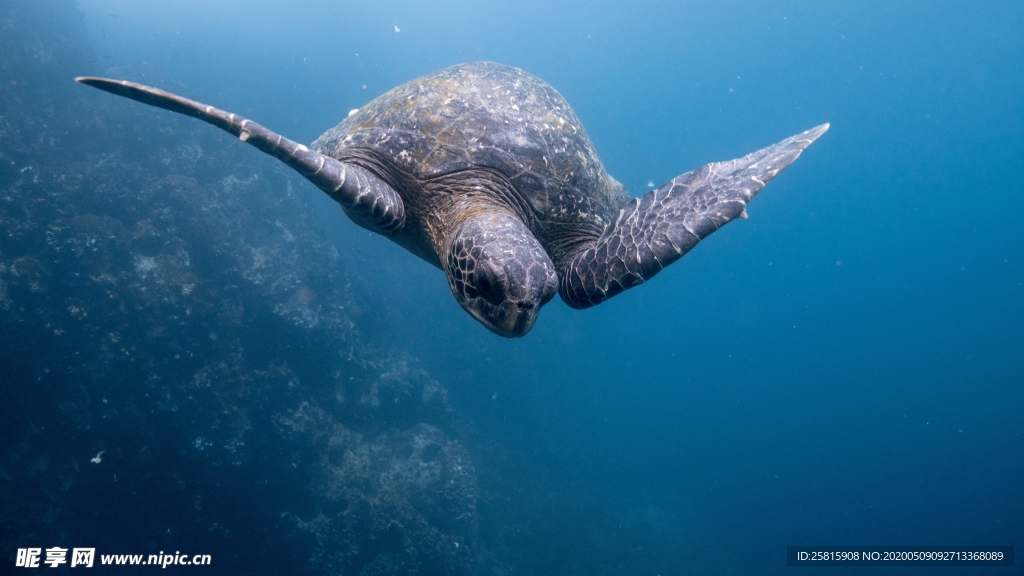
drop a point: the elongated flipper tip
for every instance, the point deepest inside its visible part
(113, 86)
(813, 134)
(161, 99)
(371, 201)
(766, 163)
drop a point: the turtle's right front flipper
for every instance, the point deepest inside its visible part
(366, 198)
(654, 231)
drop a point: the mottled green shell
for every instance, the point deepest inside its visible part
(485, 114)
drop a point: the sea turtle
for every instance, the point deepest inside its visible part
(484, 171)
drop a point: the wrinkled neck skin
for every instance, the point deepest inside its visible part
(457, 198)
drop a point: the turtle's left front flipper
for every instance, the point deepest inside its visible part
(366, 199)
(654, 231)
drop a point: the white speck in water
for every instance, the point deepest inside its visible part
(98, 458)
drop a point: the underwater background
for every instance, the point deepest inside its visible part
(269, 384)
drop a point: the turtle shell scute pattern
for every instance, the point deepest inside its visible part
(485, 114)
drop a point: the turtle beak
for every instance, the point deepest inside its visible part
(519, 321)
(511, 321)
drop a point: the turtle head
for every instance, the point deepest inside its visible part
(499, 273)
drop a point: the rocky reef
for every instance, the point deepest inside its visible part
(182, 362)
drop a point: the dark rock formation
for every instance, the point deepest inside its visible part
(168, 301)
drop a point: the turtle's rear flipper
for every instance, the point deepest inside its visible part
(654, 231)
(370, 201)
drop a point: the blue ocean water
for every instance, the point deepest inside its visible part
(843, 368)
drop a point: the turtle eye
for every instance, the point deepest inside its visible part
(488, 284)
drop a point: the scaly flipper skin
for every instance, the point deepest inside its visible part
(654, 231)
(370, 202)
